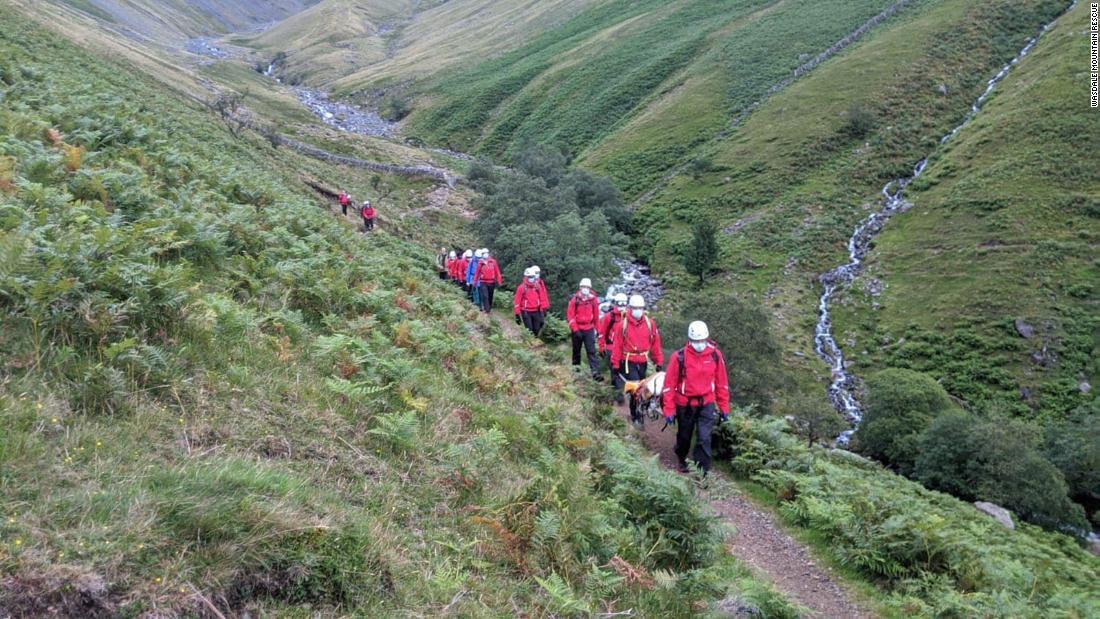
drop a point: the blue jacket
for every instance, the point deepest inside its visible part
(470, 270)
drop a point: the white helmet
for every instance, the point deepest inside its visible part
(528, 272)
(485, 253)
(468, 254)
(452, 254)
(698, 331)
(620, 299)
(637, 301)
(536, 269)
(586, 283)
(478, 253)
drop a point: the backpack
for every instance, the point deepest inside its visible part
(683, 368)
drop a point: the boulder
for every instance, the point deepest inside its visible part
(736, 608)
(998, 513)
(1025, 330)
(1084, 386)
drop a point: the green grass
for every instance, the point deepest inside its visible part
(1022, 207)
(217, 393)
(929, 554)
(792, 184)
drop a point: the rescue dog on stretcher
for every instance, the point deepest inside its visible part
(648, 393)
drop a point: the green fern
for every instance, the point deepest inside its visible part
(562, 598)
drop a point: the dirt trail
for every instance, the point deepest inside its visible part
(761, 543)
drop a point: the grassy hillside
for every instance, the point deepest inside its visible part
(350, 46)
(579, 83)
(1005, 226)
(158, 20)
(789, 185)
(218, 398)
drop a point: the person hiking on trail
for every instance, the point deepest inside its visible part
(537, 272)
(637, 342)
(460, 266)
(488, 277)
(583, 312)
(449, 266)
(605, 338)
(441, 262)
(368, 213)
(697, 395)
(530, 302)
(471, 285)
(345, 200)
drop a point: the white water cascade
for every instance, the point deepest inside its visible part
(843, 385)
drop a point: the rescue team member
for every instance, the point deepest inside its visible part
(605, 338)
(697, 395)
(345, 200)
(449, 265)
(471, 284)
(460, 270)
(441, 262)
(531, 302)
(583, 312)
(637, 342)
(488, 277)
(368, 213)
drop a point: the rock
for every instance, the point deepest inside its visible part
(1025, 394)
(873, 286)
(736, 608)
(942, 88)
(1084, 386)
(1025, 330)
(1094, 544)
(998, 513)
(1044, 357)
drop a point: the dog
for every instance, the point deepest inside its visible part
(649, 392)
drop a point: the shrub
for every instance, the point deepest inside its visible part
(900, 404)
(395, 108)
(1073, 445)
(996, 460)
(703, 251)
(859, 122)
(814, 419)
(541, 161)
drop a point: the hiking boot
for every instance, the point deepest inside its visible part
(683, 466)
(597, 377)
(620, 398)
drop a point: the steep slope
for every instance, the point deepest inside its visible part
(220, 399)
(790, 183)
(350, 46)
(1004, 226)
(173, 20)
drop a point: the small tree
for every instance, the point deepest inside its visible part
(814, 419)
(700, 256)
(900, 405)
(229, 106)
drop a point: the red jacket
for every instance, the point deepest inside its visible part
(530, 298)
(605, 335)
(582, 314)
(344, 199)
(458, 269)
(368, 212)
(488, 272)
(637, 341)
(703, 376)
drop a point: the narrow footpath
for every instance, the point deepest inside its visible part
(761, 543)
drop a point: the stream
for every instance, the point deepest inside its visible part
(634, 278)
(843, 386)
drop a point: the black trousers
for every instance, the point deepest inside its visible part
(344, 209)
(588, 340)
(616, 379)
(635, 371)
(368, 224)
(533, 321)
(486, 297)
(700, 420)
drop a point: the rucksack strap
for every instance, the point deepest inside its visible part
(683, 369)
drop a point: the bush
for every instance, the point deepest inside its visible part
(395, 108)
(1073, 445)
(814, 419)
(541, 161)
(900, 404)
(859, 122)
(996, 460)
(700, 256)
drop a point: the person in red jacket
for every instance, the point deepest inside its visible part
(697, 395)
(531, 303)
(583, 314)
(449, 266)
(636, 344)
(345, 200)
(605, 339)
(368, 213)
(487, 278)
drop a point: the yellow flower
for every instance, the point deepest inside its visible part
(140, 546)
(98, 444)
(53, 420)
(157, 580)
(18, 542)
(11, 520)
(39, 406)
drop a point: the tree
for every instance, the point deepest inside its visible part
(229, 106)
(814, 419)
(742, 330)
(542, 161)
(996, 460)
(900, 404)
(1073, 445)
(701, 254)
